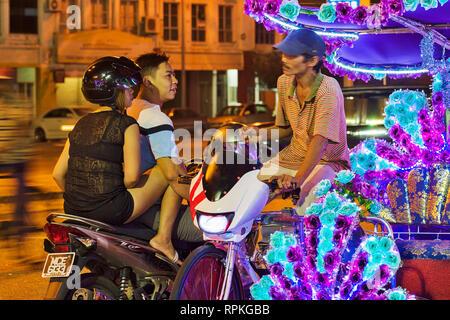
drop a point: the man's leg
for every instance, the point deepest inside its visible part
(307, 196)
(170, 206)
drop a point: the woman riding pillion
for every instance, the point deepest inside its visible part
(99, 167)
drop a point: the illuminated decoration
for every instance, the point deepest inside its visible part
(319, 267)
(418, 140)
(291, 26)
(417, 134)
(377, 71)
(342, 20)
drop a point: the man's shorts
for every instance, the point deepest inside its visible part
(307, 196)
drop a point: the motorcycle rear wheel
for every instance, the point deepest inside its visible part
(92, 287)
(202, 274)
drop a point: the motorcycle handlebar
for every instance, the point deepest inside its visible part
(293, 193)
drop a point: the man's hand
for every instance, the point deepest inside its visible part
(286, 182)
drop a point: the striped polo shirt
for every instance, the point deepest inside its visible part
(322, 113)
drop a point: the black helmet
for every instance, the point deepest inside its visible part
(105, 75)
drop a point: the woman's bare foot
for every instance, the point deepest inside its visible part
(167, 249)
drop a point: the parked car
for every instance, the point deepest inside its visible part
(57, 123)
(185, 117)
(247, 114)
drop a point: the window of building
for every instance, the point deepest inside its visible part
(99, 14)
(262, 36)
(128, 15)
(23, 16)
(171, 21)
(199, 22)
(225, 18)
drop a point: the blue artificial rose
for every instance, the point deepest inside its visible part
(437, 86)
(259, 293)
(325, 245)
(320, 264)
(289, 240)
(393, 260)
(371, 245)
(411, 5)
(396, 96)
(417, 139)
(277, 239)
(332, 201)
(376, 258)
(375, 207)
(345, 176)
(290, 10)
(322, 188)
(421, 102)
(366, 162)
(327, 13)
(429, 4)
(358, 170)
(314, 209)
(327, 219)
(389, 110)
(412, 116)
(371, 145)
(403, 120)
(289, 271)
(385, 244)
(442, 2)
(409, 98)
(266, 282)
(397, 295)
(389, 122)
(276, 255)
(401, 109)
(348, 209)
(362, 160)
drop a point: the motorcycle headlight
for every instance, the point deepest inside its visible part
(214, 223)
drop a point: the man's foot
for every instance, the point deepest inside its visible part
(167, 250)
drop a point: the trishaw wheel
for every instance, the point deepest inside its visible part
(202, 274)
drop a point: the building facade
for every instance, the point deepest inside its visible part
(45, 46)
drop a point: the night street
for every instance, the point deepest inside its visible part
(350, 103)
(21, 266)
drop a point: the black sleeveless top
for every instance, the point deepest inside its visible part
(95, 173)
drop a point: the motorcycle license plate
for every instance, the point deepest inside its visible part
(58, 265)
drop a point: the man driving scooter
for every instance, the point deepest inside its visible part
(311, 108)
(158, 148)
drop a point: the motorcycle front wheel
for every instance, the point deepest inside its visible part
(202, 275)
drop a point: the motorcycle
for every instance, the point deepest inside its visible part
(91, 260)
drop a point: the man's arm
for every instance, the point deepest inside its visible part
(171, 170)
(313, 155)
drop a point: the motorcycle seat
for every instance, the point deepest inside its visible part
(135, 230)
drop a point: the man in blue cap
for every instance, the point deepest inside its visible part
(311, 108)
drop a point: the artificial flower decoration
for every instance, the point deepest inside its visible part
(327, 13)
(418, 135)
(317, 269)
(289, 9)
(411, 5)
(282, 16)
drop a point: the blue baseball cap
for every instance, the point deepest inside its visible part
(302, 41)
